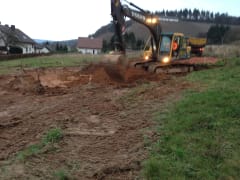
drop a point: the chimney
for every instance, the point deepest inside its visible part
(13, 27)
(6, 25)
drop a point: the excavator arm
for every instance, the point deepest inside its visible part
(119, 12)
(116, 64)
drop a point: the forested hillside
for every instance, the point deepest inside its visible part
(218, 28)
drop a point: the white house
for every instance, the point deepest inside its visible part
(45, 50)
(89, 45)
(41, 49)
(14, 41)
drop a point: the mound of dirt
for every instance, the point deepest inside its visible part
(21, 83)
(117, 74)
(40, 80)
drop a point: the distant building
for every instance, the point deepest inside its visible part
(42, 49)
(89, 45)
(14, 41)
(169, 18)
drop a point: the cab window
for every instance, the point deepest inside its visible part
(165, 44)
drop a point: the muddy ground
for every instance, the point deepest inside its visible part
(105, 122)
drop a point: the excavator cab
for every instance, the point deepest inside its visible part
(173, 46)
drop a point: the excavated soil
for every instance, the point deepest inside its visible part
(104, 121)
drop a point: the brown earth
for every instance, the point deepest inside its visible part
(104, 121)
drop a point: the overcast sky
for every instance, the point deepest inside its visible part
(70, 19)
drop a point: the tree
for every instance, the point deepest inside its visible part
(163, 13)
(104, 46)
(211, 16)
(189, 14)
(57, 47)
(65, 48)
(216, 34)
(185, 13)
(196, 14)
(203, 15)
(180, 14)
(46, 43)
(61, 47)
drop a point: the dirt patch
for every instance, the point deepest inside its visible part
(118, 74)
(39, 81)
(103, 121)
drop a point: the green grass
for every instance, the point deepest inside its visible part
(200, 133)
(29, 151)
(61, 175)
(61, 60)
(52, 136)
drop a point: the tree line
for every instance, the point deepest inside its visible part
(217, 34)
(201, 16)
(61, 47)
(130, 41)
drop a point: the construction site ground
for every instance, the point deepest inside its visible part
(106, 124)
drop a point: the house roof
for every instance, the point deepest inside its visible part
(18, 35)
(89, 43)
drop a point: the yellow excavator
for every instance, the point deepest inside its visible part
(174, 47)
(162, 50)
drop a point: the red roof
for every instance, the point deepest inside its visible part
(89, 43)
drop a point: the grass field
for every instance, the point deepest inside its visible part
(61, 60)
(199, 135)
(222, 51)
(57, 60)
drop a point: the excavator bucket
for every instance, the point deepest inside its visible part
(115, 66)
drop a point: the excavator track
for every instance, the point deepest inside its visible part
(156, 67)
(172, 68)
(177, 66)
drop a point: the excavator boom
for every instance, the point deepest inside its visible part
(119, 12)
(116, 64)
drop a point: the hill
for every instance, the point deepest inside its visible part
(42, 41)
(70, 44)
(189, 28)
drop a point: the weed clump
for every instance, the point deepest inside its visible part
(52, 136)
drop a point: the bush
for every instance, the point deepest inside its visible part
(53, 136)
